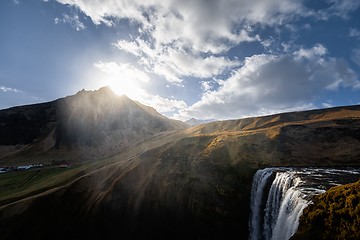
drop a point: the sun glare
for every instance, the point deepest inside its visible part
(129, 89)
(116, 88)
(122, 78)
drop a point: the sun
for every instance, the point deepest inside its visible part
(122, 78)
(130, 89)
(117, 88)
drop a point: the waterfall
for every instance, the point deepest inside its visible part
(257, 190)
(279, 196)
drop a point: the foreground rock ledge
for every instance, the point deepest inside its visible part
(334, 215)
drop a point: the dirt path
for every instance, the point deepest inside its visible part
(29, 178)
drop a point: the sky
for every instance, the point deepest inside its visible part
(204, 59)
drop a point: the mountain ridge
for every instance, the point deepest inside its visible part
(194, 121)
(191, 183)
(89, 124)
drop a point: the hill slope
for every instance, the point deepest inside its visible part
(85, 126)
(190, 184)
(325, 137)
(334, 215)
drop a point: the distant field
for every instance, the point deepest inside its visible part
(17, 185)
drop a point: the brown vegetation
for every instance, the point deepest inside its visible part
(334, 215)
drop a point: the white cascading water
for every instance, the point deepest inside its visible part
(279, 196)
(257, 191)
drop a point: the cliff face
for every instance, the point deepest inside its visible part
(189, 184)
(85, 126)
(334, 215)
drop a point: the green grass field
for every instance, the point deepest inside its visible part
(18, 185)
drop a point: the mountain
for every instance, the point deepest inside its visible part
(192, 183)
(194, 121)
(88, 125)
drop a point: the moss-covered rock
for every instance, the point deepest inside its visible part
(334, 215)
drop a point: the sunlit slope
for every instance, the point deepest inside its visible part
(190, 184)
(88, 125)
(334, 215)
(311, 138)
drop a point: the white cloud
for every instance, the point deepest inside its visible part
(206, 86)
(73, 20)
(174, 63)
(190, 20)
(327, 105)
(354, 32)
(136, 47)
(176, 35)
(313, 53)
(177, 39)
(7, 89)
(356, 56)
(343, 7)
(161, 104)
(337, 8)
(268, 84)
(104, 11)
(307, 26)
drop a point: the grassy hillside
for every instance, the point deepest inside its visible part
(186, 184)
(18, 185)
(334, 215)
